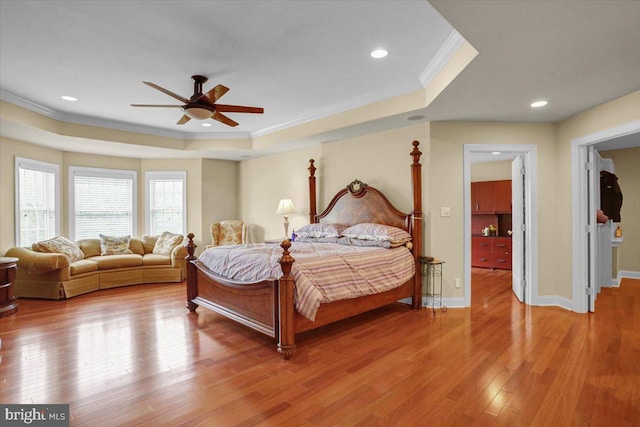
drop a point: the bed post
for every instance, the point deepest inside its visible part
(192, 285)
(416, 229)
(287, 333)
(312, 192)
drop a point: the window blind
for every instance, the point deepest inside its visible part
(103, 203)
(166, 202)
(37, 196)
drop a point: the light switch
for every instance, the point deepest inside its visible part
(445, 211)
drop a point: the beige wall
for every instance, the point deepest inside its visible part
(381, 160)
(446, 189)
(627, 164)
(208, 181)
(219, 194)
(491, 171)
(606, 116)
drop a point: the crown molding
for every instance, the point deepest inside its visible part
(115, 124)
(440, 59)
(27, 104)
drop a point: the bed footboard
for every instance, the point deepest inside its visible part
(267, 306)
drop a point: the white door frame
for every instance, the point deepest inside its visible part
(530, 273)
(580, 240)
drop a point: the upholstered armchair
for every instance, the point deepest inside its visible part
(228, 232)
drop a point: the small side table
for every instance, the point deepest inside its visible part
(432, 286)
(8, 268)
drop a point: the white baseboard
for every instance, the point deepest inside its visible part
(554, 300)
(627, 274)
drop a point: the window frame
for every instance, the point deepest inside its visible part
(107, 173)
(157, 175)
(41, 166)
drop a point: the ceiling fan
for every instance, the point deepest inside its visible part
(202, 106)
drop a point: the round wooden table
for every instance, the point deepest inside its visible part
(8, 268)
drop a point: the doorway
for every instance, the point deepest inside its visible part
(524, 283)
(584, 242)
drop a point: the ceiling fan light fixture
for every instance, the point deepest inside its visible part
(198, 113)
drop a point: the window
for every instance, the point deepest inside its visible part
(101, 201)
(166, 202)
(37, 201)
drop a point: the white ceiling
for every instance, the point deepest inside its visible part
(305, 60)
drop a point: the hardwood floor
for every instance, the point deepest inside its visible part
(136, 357)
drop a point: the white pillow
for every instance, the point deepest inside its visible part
(114, 245)
(380, 232)
(60, 245)
(166, 242)
(321, 230)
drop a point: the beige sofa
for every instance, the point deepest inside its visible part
(53, 276)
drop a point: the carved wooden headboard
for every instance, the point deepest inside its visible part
(358, 203)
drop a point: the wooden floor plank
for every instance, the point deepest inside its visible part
(135, 356)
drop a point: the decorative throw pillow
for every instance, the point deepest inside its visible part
(371, 231)
(60, 245)
(321, 230)
(112, 245)
(166, 242)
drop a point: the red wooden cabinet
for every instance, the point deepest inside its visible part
(491, 196)
(491, 252)
(482, 197)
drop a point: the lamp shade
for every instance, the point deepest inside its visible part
(285, 207)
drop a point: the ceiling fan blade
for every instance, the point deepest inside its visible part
(168, 92)
(224, 119)
(184, 119)
(217, 92)
(156, 105)
(238, 109)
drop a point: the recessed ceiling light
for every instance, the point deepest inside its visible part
(69, 98)
(496, 152)
(538, 104)
(379, 53)
(207, 125)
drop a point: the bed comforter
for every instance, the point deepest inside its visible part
(323, 272)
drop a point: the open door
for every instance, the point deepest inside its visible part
(593, 202)
(518, 283)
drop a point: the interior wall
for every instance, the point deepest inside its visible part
(447, 189)
(219, 194)
(491, 171)
(628, 173)
(606, 116)
(381, 160)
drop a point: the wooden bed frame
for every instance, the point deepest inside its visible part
(268, 306)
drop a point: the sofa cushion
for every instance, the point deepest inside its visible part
(110, 245)
(90, 247)
(136, 246)
(148, 242)
(60, 245)
(108, 262)
(166, 242)
(155, 259)
(83, 266)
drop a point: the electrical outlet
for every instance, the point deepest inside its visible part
(457, 282)
(445, 211)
